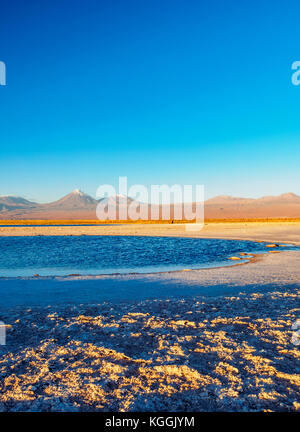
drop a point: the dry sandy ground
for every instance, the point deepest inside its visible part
(185, 353)
(264, 231)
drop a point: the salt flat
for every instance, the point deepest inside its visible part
(202, 340)
(263, 231)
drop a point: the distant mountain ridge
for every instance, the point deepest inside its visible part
(79, 205)
(286, 205)
(228, 198)
(11, 202)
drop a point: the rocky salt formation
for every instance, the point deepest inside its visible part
(197, 354)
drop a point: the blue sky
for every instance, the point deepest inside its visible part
(159, 91)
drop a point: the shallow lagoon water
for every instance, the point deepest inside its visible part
(90, 255)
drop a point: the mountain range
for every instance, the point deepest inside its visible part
(79, 205)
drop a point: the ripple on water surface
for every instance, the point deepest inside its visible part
(89, 255)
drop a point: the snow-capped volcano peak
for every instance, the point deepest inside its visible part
(78, 192)
(75, 199)
(118, 199)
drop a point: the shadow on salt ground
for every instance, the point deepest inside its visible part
(55, 292)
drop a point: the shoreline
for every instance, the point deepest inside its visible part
(235, 231)
(266, 272)
(255, 257)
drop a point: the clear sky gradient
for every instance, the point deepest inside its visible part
(160, 91)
